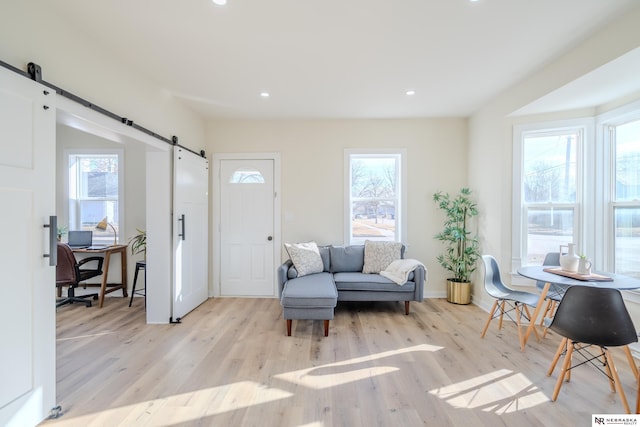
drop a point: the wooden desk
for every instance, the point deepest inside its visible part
(618, 281)
(105, 287)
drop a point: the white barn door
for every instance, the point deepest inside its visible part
(27, 191)
(190, 231)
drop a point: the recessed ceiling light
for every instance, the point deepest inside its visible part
(264, 94)
(220, 2)
(410, 92)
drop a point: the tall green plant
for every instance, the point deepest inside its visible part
(462, 249)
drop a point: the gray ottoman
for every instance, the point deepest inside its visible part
(312, 297)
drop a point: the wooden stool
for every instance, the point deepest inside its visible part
(139, 265)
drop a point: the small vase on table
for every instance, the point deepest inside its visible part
(569, 260)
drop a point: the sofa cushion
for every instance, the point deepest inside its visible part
(369, 282)
(378, 255)
(292, 273)
(347, 258)
(314, 290)
(305, 257)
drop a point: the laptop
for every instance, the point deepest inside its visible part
(80, 239)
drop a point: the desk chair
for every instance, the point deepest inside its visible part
(507, 299)
(69, 273)
(591, 317)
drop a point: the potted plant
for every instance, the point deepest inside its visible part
(462, 248)
(139, 242)
(62, 230)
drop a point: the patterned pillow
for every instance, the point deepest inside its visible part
(305, 257)
(378, 255)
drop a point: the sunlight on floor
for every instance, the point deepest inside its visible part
(338, 373)
(502, 392)
(179, 407)
(86, 336)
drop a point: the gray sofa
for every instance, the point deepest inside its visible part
(315, 296)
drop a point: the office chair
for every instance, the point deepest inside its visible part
(69, 273)
(507, 299)
(586, 317)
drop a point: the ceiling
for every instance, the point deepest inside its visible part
(337, 58)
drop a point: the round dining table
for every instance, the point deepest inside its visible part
(560, 279)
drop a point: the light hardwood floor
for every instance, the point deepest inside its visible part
(230, 363)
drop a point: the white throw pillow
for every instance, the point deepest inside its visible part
(305, 257)
(378, 255)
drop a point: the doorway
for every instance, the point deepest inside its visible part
(247, 211)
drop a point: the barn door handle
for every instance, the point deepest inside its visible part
(53, 239)
(181, 219)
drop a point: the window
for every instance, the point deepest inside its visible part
(374, 196)
(550, 181)
(246, 176)
(579, 182)
(95, 192)
(625, 200)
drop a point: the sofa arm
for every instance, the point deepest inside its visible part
(419, 276)
(282, 276)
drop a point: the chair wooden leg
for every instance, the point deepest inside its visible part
(614, 372)
(607, 366)
(501, 314)
(565, 367)
(289, 321)
(637, 395)
(634, 368)
(520, 336)
(326, 328)
(546, 312)
(535, 331)
(561, 348)
(406, 308)
(491, 313)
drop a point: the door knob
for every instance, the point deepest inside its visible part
(269, 238)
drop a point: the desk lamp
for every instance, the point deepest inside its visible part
(102, 225)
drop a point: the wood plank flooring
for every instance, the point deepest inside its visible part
(230, 363)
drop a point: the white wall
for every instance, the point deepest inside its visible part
(490, 132)
(313, 173)
(32, 31)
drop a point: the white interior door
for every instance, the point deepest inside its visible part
(27, 191)
(190, 231)
(247, 227)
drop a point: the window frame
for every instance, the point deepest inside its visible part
(121, 192)
(582, 215)
(596, 234)
(401, 190)
(606, 123)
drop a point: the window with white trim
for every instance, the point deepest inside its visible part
(374, 195)
(579, 182)
(95, 192)
(550, 182)
(625, 197)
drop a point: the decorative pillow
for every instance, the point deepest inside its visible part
(378, 255)
(305, 257)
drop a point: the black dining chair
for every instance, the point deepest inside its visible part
(589, 317)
